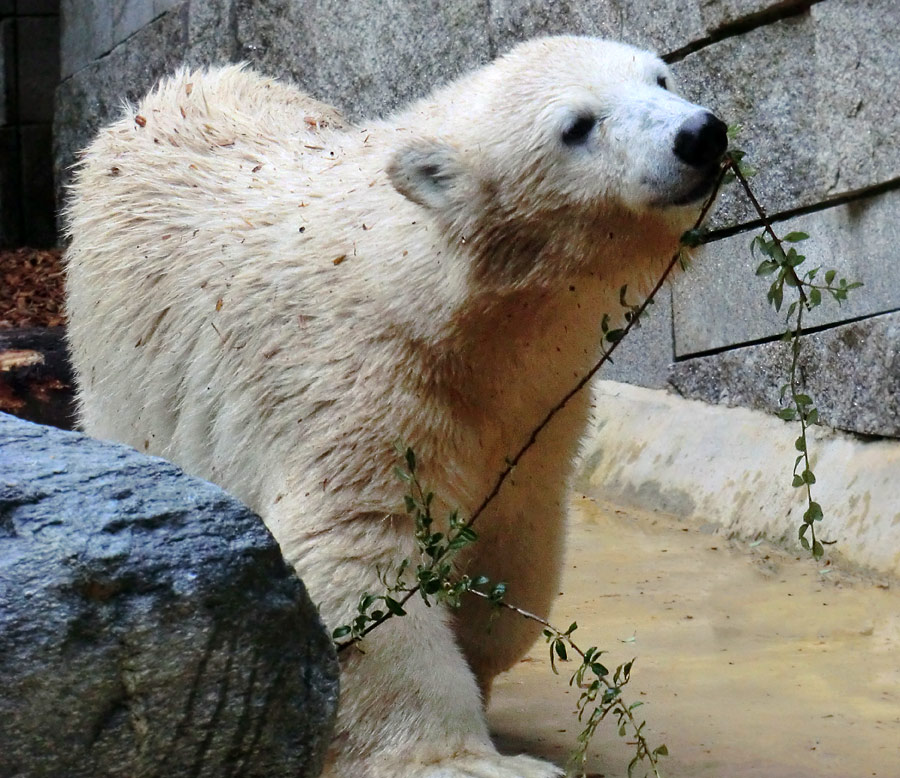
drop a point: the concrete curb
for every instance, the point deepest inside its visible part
(655, 451)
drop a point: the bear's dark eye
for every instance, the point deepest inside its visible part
(579, 130)
(661, 82)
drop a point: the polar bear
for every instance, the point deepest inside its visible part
(271, 296)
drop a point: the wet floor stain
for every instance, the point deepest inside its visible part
(752, 662)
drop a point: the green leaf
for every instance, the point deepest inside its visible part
(794, 259)
(809, 477)
(813, 513)
(614, 336)
(394, 607)
(776, 296)
(599, 669)
(340, 632)
(815, 297)
(795, 237)
(766, 267)
(798, 481)
(411, 460)
(469, 534)
(766, 247)
(661, 750)
(800, 444)
(829, 276)
(457, 543)
(817, 550)
(692, 238)
(805, 543)
(560, 649)
(788, 414)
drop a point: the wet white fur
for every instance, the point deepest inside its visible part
(271, 297)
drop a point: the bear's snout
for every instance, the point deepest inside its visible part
(701, 140)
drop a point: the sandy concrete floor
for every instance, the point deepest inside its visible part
(751, 662)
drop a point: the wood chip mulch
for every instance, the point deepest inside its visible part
(31, 288)
(35, 378)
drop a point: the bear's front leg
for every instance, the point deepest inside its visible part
(410, 705)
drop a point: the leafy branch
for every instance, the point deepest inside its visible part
(434, 575)
(436, 582)
(783, 265)
(592, 678)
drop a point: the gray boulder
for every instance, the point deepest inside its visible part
(148, 623)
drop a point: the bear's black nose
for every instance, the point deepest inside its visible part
(701, 140)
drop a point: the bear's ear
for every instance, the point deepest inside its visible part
(429, 173)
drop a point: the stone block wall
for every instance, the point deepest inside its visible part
(812, 82)
(29, 73)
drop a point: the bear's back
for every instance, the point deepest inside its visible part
(177, 216)
(211, 134)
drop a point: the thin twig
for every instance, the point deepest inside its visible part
(522, 612)
(586, 378)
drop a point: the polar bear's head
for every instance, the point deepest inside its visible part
(560, 125)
